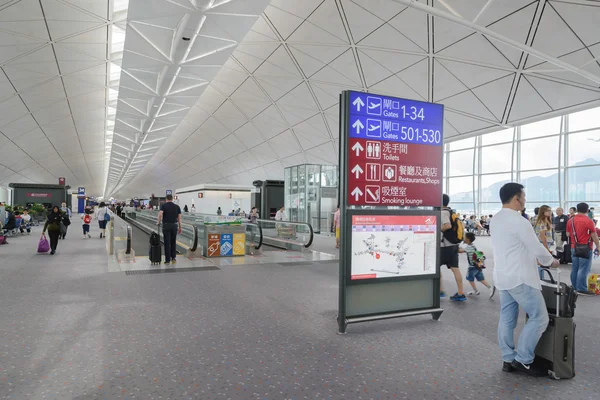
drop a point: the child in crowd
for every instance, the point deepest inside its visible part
(25, 222)
(86, 219)
(476, 265)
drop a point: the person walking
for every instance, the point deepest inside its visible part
(582, 231)
(101, 217)
(52, 225)
(193, 208)
(253, 215)
(66, 221)
(281, 215)
(517, 252)
(86, 219)
(543, 230)
(219, 211)
(560, 234)
(449, 251)
(170, 217)
(185, 208)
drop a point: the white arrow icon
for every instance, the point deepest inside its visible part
(356, 193)
(358, 125)
(358, 148)
(358, 103)
(357, 170)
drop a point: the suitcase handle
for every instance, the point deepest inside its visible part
(552, 280)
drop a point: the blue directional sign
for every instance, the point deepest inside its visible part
(169, 192)
(395, 120)
(81, 191)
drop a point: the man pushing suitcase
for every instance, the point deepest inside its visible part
(517, 252)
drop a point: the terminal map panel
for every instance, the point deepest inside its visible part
(386, 246)
(395, 149)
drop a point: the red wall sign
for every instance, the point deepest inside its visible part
(43, 195)
(382, 173)
(61, 181)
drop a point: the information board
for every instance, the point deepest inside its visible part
(395, 149)
(387, 246)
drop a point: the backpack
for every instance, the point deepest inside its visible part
(65, 220)
(154, 239)
(107, 217)
(454, 235)
(87, 219)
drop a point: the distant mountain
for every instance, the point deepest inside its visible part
(545, 188)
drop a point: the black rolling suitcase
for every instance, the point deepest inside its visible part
(567, 258)
(556, 348)
(155, 249)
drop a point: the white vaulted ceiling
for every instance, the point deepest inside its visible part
(54, 63)
(240, 112)
(173, 49)
(275, 102)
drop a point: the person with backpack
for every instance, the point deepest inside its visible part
(86, 218)
(452, 236)
(52, 225)
(66, 221)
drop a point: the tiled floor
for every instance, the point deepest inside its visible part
(70, 329)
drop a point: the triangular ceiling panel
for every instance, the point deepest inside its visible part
(527, 103)
(417, 77)
(413, 24)
(553, 36)
(495, 95)
(560, 95)
(284, 22)
(581, 18)
(361, 21)
(394, 86)
(261, 32)
(485, 52)
(279, 64)
(445, 83)
(467, 102)
(312, 58)
(387, 37)
(342, 70)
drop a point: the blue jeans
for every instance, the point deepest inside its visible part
(580, 271)
(532, 302)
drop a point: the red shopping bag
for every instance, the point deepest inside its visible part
(43, 245)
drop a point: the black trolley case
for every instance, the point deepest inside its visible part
(155, 249)
(556, 348)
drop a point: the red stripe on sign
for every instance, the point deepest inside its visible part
(363, 276)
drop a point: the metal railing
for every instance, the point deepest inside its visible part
(118, 232)
(146, 221)
(286, 234)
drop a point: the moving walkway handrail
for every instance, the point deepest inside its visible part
(310, 228)
(260, 234)
(129, 239)
(151, 215)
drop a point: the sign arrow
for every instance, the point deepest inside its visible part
(358, 126)
(357, 170)
(356, 193)
(358, 103)
(358, 148)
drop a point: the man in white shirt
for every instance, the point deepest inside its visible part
(280, 215)
(517, 251)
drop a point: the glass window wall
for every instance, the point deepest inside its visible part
(557, 160)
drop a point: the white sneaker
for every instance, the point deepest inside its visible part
(84, 236)
(89, 236)
(475, 293)
(492, 291)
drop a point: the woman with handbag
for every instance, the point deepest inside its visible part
(101, 217)
(52, 225)
(543, 229)
(582, 232)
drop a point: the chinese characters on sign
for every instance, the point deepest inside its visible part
(395, 151)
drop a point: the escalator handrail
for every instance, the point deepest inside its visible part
(195, 239)
(129, 239)
(310, 228)
(260, 234)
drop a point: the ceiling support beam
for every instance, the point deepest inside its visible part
(501, 38)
